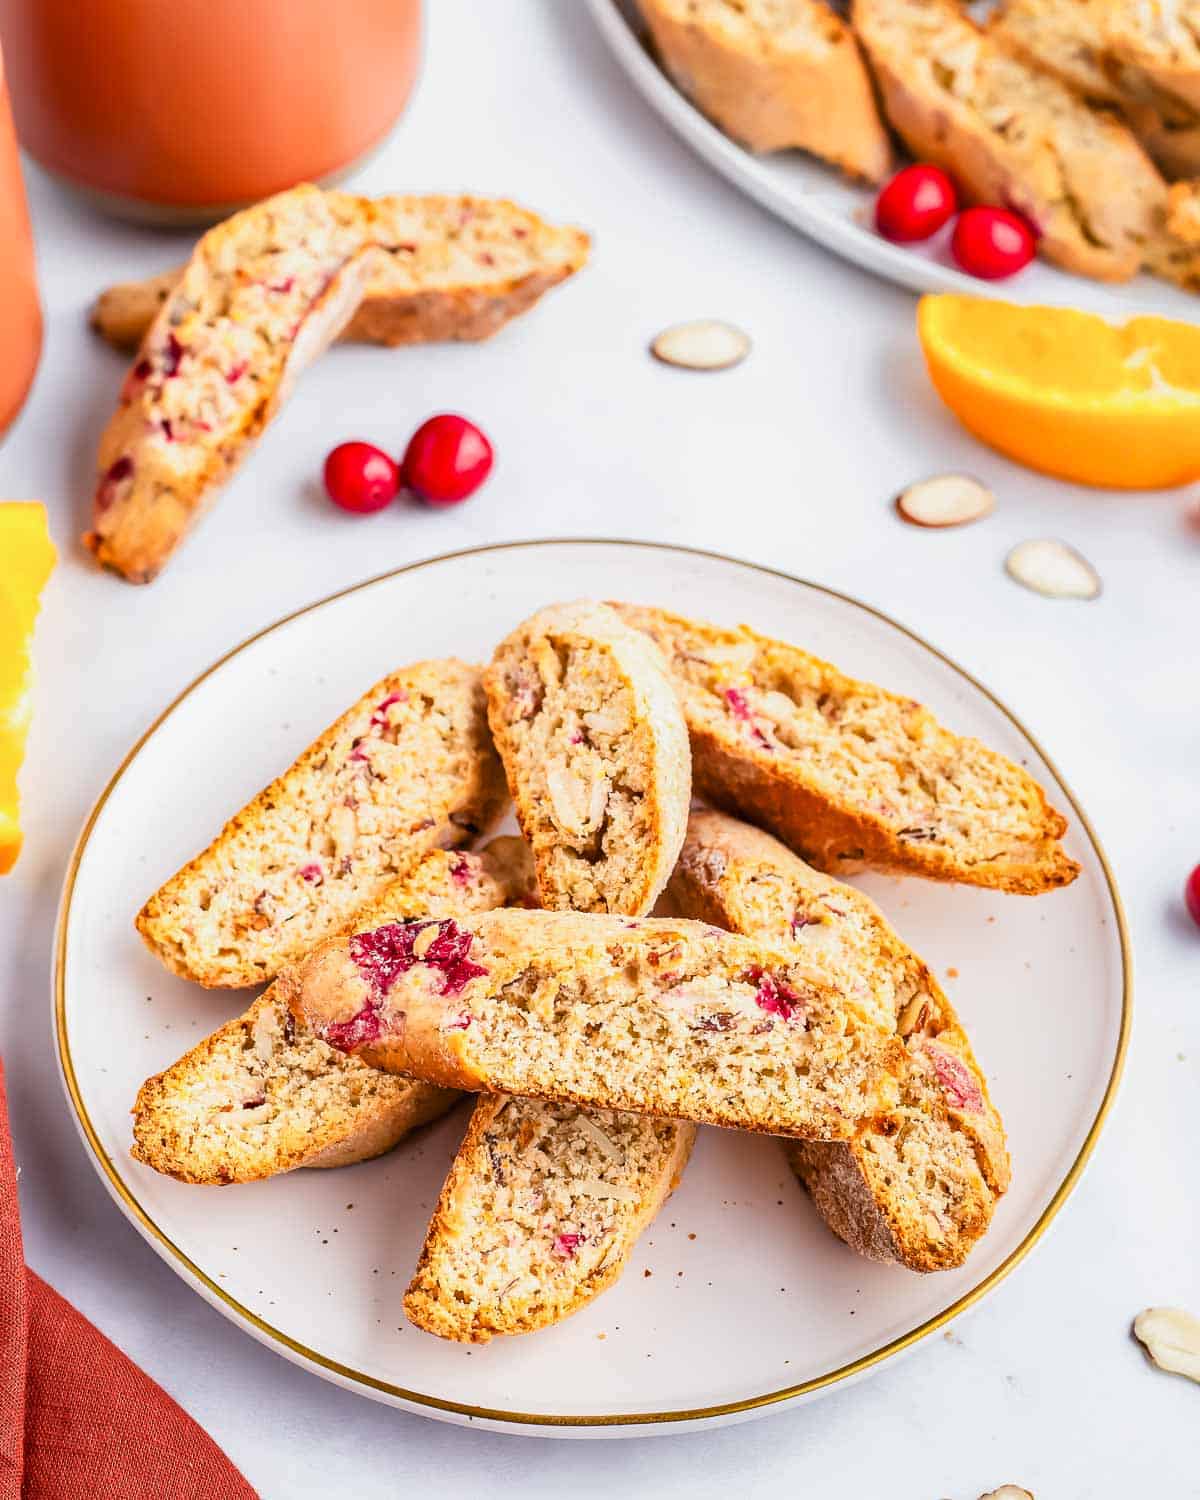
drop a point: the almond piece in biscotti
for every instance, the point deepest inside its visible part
(594, 746)
(919, 1185)
(410, 767)
(261, 1096)
(848, 774)
(657, 1017)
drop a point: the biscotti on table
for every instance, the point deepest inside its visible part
(775, 74)
(653, 1016)
(589, 729)
(409, 768)
(261, 1096)
(261, 297)
(847, 774)
(917, 1185)
(449, 268)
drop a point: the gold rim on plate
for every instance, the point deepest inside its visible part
(271, 1335)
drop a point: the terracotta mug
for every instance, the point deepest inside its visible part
(182, 110)
(20, 311)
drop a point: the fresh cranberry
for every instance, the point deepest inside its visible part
(992, 243)
(915, 204)
(1191, 895)
(361, 478)
(446, 460)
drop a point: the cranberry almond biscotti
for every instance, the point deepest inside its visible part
(540, 1213)
(545, 1201)
(848, 774)
(260, 1096)
(409, 768)
(919, 1184)
(658, 1017)
(261, 297)
(451, 268)
(775, 74)
(589, 730)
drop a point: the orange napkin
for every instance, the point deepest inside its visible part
(76, 1416)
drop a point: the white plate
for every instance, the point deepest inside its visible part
(835, 213)
(714, 1333)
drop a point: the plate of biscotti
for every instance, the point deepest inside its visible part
(586, 1017)
(1079, 116)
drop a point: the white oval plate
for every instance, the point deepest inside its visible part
(838, 214)
(316, 1263)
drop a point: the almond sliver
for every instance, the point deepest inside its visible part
(945, 500)
(1172, 1339)
(1053, 569)
(706, 344)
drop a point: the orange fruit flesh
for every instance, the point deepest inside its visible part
(1068, 394)
(26, 558)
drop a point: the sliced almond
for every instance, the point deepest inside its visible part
(1172, 1339)
(596, 1187)
(1008, 1492)
(945, 500)
(598, 1137)
(1051, 568)
(705, 344)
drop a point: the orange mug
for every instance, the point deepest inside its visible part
(182, 110)
(20, 311)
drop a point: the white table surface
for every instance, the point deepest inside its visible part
(791, 460)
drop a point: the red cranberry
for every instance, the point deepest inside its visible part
(1191, 895)
(361, 478)
(992, 243)
(915, 204)
(446, 460)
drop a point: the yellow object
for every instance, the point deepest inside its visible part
(26, 558)
(1067, 393)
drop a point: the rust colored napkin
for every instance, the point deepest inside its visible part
(77, 1418)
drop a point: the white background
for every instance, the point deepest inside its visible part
(791, 460)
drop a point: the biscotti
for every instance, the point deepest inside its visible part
(847, 774)
(1071, 39)
(260, 298)
(589, 730)
(539, 1214)
(409, 768)
(919, 1185)
(653, 1016)
(450, 268)
(262, 295)
(261, 1096)
(1012, 134)
(775, 74)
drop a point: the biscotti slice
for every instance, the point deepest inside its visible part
(775, 74)
(1161, 38)
(654, 1016)
(594, 746)
(1070, 38)
(540, 1213)
(1012, 134)
(848, 774)
(409, 768)
(261, 297)
(449, 268)
(260, 1096)
(919, 1185)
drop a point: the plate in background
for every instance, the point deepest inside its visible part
(315, 1263)
(838, 214)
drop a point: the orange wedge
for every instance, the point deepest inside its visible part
(26, 558)
(1116, 406)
